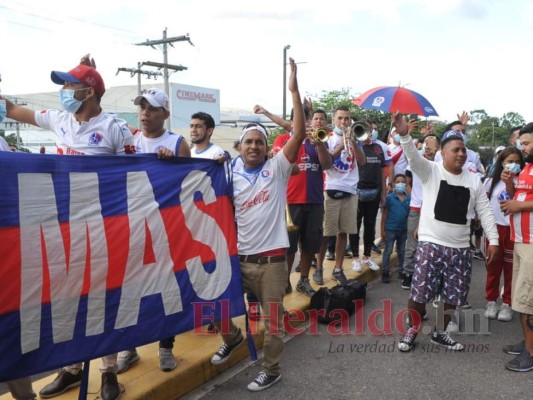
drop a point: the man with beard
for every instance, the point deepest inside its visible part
(443, 261)
(201, 130)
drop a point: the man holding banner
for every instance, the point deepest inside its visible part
(81, 129)
(259, 189)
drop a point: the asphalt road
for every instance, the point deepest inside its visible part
(369, 365)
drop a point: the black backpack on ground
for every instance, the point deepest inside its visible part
(340, 297)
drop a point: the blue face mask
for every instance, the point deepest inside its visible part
(397, 138)
(374, 134)
(518, 145)
(514, 168)
(3, 110)
(400, 187)
(338, 131)
(68, 101)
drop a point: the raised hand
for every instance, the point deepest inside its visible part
(258, 109)
(87, 60)
(464, 118)
(400, 122)
(293, 82)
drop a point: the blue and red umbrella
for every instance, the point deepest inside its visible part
(395, 98)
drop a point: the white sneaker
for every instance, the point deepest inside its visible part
(506, 313)
(452, 327)
(371, 264)
(356, 265)
(492, 310)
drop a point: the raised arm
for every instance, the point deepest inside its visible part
(298, 124)
(20, 113)
(258, 109)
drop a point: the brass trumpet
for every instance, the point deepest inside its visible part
(360, 131)
(319, 135)
(290, 225)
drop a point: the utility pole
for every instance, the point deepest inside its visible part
(165, 65)
(285, 80)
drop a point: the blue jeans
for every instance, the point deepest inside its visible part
(390, 238)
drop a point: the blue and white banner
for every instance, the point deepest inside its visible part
(99, 254)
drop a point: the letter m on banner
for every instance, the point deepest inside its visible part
(102, 253)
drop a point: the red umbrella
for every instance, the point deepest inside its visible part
(395, 98)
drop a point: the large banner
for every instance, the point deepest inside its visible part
(103, 253)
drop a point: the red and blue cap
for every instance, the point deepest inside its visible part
(81, 74)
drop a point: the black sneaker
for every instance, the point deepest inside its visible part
(339, 277)
(263, 381)
(406, 281)
(63, 382)
(408, 341)
(318, 276)
(515, 349)
(478, 255)
(521, 363)
(385, 278)
(330, 255)
(225, 351)
(444, 339)
(376, 249)
(303, 286)
(298, 268)
(110, 389)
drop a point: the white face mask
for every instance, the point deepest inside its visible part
(374, 134)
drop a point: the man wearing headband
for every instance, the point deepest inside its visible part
(259, 188)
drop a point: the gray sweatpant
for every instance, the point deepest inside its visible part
(410, 246)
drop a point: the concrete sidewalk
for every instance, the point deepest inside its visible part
(145, 381)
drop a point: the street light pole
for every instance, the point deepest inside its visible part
(285, 80)
(493, 134)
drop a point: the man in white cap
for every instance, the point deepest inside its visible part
(154, 109)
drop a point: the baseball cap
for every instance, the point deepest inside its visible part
(156, 98)
(450, 135)
(81, 74)
(498, 149)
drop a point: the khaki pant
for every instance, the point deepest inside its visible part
(21, 389)
(522, 281)
(267, 282)
(109, 364)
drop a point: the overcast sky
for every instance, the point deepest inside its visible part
(460, 54)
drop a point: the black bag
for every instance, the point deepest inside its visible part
(360, 288)
(340, 297)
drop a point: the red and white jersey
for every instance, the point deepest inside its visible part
(522, 223)
(103, 134)
(145, 145)
(260, 199)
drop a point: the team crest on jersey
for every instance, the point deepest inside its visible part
(265, 174)
(95, 139)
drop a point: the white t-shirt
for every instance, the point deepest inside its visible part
(260, 198)
(3, 145)
(167, 140)
(213, 151)
(344, 173)
(416, 191)
(103, 134)
(501, 218)
(450, 202)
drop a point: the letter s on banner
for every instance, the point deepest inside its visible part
(204, 229)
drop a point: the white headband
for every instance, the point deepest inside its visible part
(258, 128)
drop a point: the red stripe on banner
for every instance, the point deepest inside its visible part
(182, 246)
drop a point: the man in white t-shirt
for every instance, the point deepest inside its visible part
(153, 137)
(259, 189)
(201, 130)
(83, 128)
